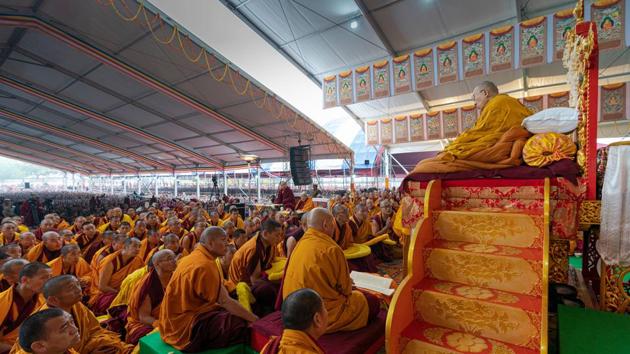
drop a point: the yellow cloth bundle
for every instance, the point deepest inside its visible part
(127, 286)
(543, 149)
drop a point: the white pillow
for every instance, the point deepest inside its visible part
(552, 120)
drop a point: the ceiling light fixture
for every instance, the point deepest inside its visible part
(354, 24)
(249, 158)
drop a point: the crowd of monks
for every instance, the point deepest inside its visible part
(200, 277)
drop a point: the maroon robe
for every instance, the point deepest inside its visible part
(286, 198)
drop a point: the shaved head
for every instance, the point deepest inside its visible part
(161, 255)
(211, 233)
(69, 248)
(11, 269)
(55, 285)
(483, 93)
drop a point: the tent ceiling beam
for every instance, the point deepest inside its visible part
(37, 161)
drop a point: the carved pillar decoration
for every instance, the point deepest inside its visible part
(590, 212)
(558, 261)
(614, 297)
(589, 218)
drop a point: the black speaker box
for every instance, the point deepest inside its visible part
(300, 169)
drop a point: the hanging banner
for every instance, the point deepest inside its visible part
(345, 88)
(362, 83)
(450, 123)
(534, 103)
(559, 99)
(380, 73)
(423, 68)
(533, 41)
(468, 117)
(434, 126)
(563, 23)
(401, 129)
(502, 49)
(609, 17)
(447, 62)
(330, 91)
(613, 102)
(473, 48)
(402, 74)
(387, 132)
(416, 126)
(371, 132)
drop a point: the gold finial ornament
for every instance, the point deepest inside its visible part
(578, 12)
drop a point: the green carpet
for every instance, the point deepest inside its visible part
(575, 262)
(153, 344)
(585, 331)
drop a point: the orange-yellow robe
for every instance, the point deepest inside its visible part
(343, 235)
(149, 286)
(17, 350)
(119, 274)
(317, 262)
(292, 342)
(63, 224)
(305, 206)
(39, 253)
(240, 270)
(361, 232)
(82, 270)
(16, 237)
(145, 249)
(192, 291)
(13, 311)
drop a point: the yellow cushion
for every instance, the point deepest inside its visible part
(543, 149)
(376, 240)
(357, 251)
(277, 269)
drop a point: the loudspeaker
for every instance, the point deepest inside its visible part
(300, 170)
(366, 162)
(27, 185)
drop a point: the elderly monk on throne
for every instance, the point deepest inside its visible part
(495, 141)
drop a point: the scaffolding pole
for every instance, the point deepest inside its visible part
(125, 185)
(175, 186)
(258, 182)
(198, 187)
(157, 190)
(225, 180)
(139, 185)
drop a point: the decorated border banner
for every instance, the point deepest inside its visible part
(401, 129)
(402, 74)
(502, 49)
(371, 132)
(468, 117)
(533, 41)
(434, 126)
(563, 23)
(609, 18)
(423, 68)
(416, 126)
(613, 102)
(558, 99)
(474, 54)
(345, 88)
(447, 62)
(534, 103)
(387, 132)
(330, 91)
(380, 73)
(450, 123)
(362, 83)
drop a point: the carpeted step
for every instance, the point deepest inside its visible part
(508, 273)
(534, 254)
(425, 338)
(505, 229)
(498, 315)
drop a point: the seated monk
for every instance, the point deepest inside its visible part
(70, 262)
(239, 238)
(77, 226)
(170, 242)
(305, 203)
(111, 272)
(382, 223)
(150, 243)
(343, 231)
(215, 220)
(153, 222)
(64, 292)
(89, 240)
(285, 196)
(143, 309)
(44, 226)
(20, 301)
(124, 228)
(112, 225)
(111, 243)
(19, 221)
(8, 233)
(251, 261)
(317, 262)
(27, 241)
(197, 312)
(235, 218)
(67, 236)
(47, 250)
(51, 331)
(305, 319)
(291, 239)
(13, 250)
(360, 224)
(139, 230)
(189, 241)
(174, 226)
(495, 141)
(10, 271)
(59, 222)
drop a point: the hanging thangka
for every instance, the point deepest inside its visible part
(330, 91)
(401, 129)
(434, 126)
(423, 68)
(450, 123)
(501, 49)
(371, 132)
(558, 99)
(362, 83)
(533, 41)
(534, 103)
(613, 102)
(563, 23)
(468, 116)
(447, 62)
(608, 16)
(386, 131)
(345, 88)
(416, 126)
(380, 72)
(402, 74)
(473, 48)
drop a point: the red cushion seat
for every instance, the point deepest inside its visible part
(367, 340)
